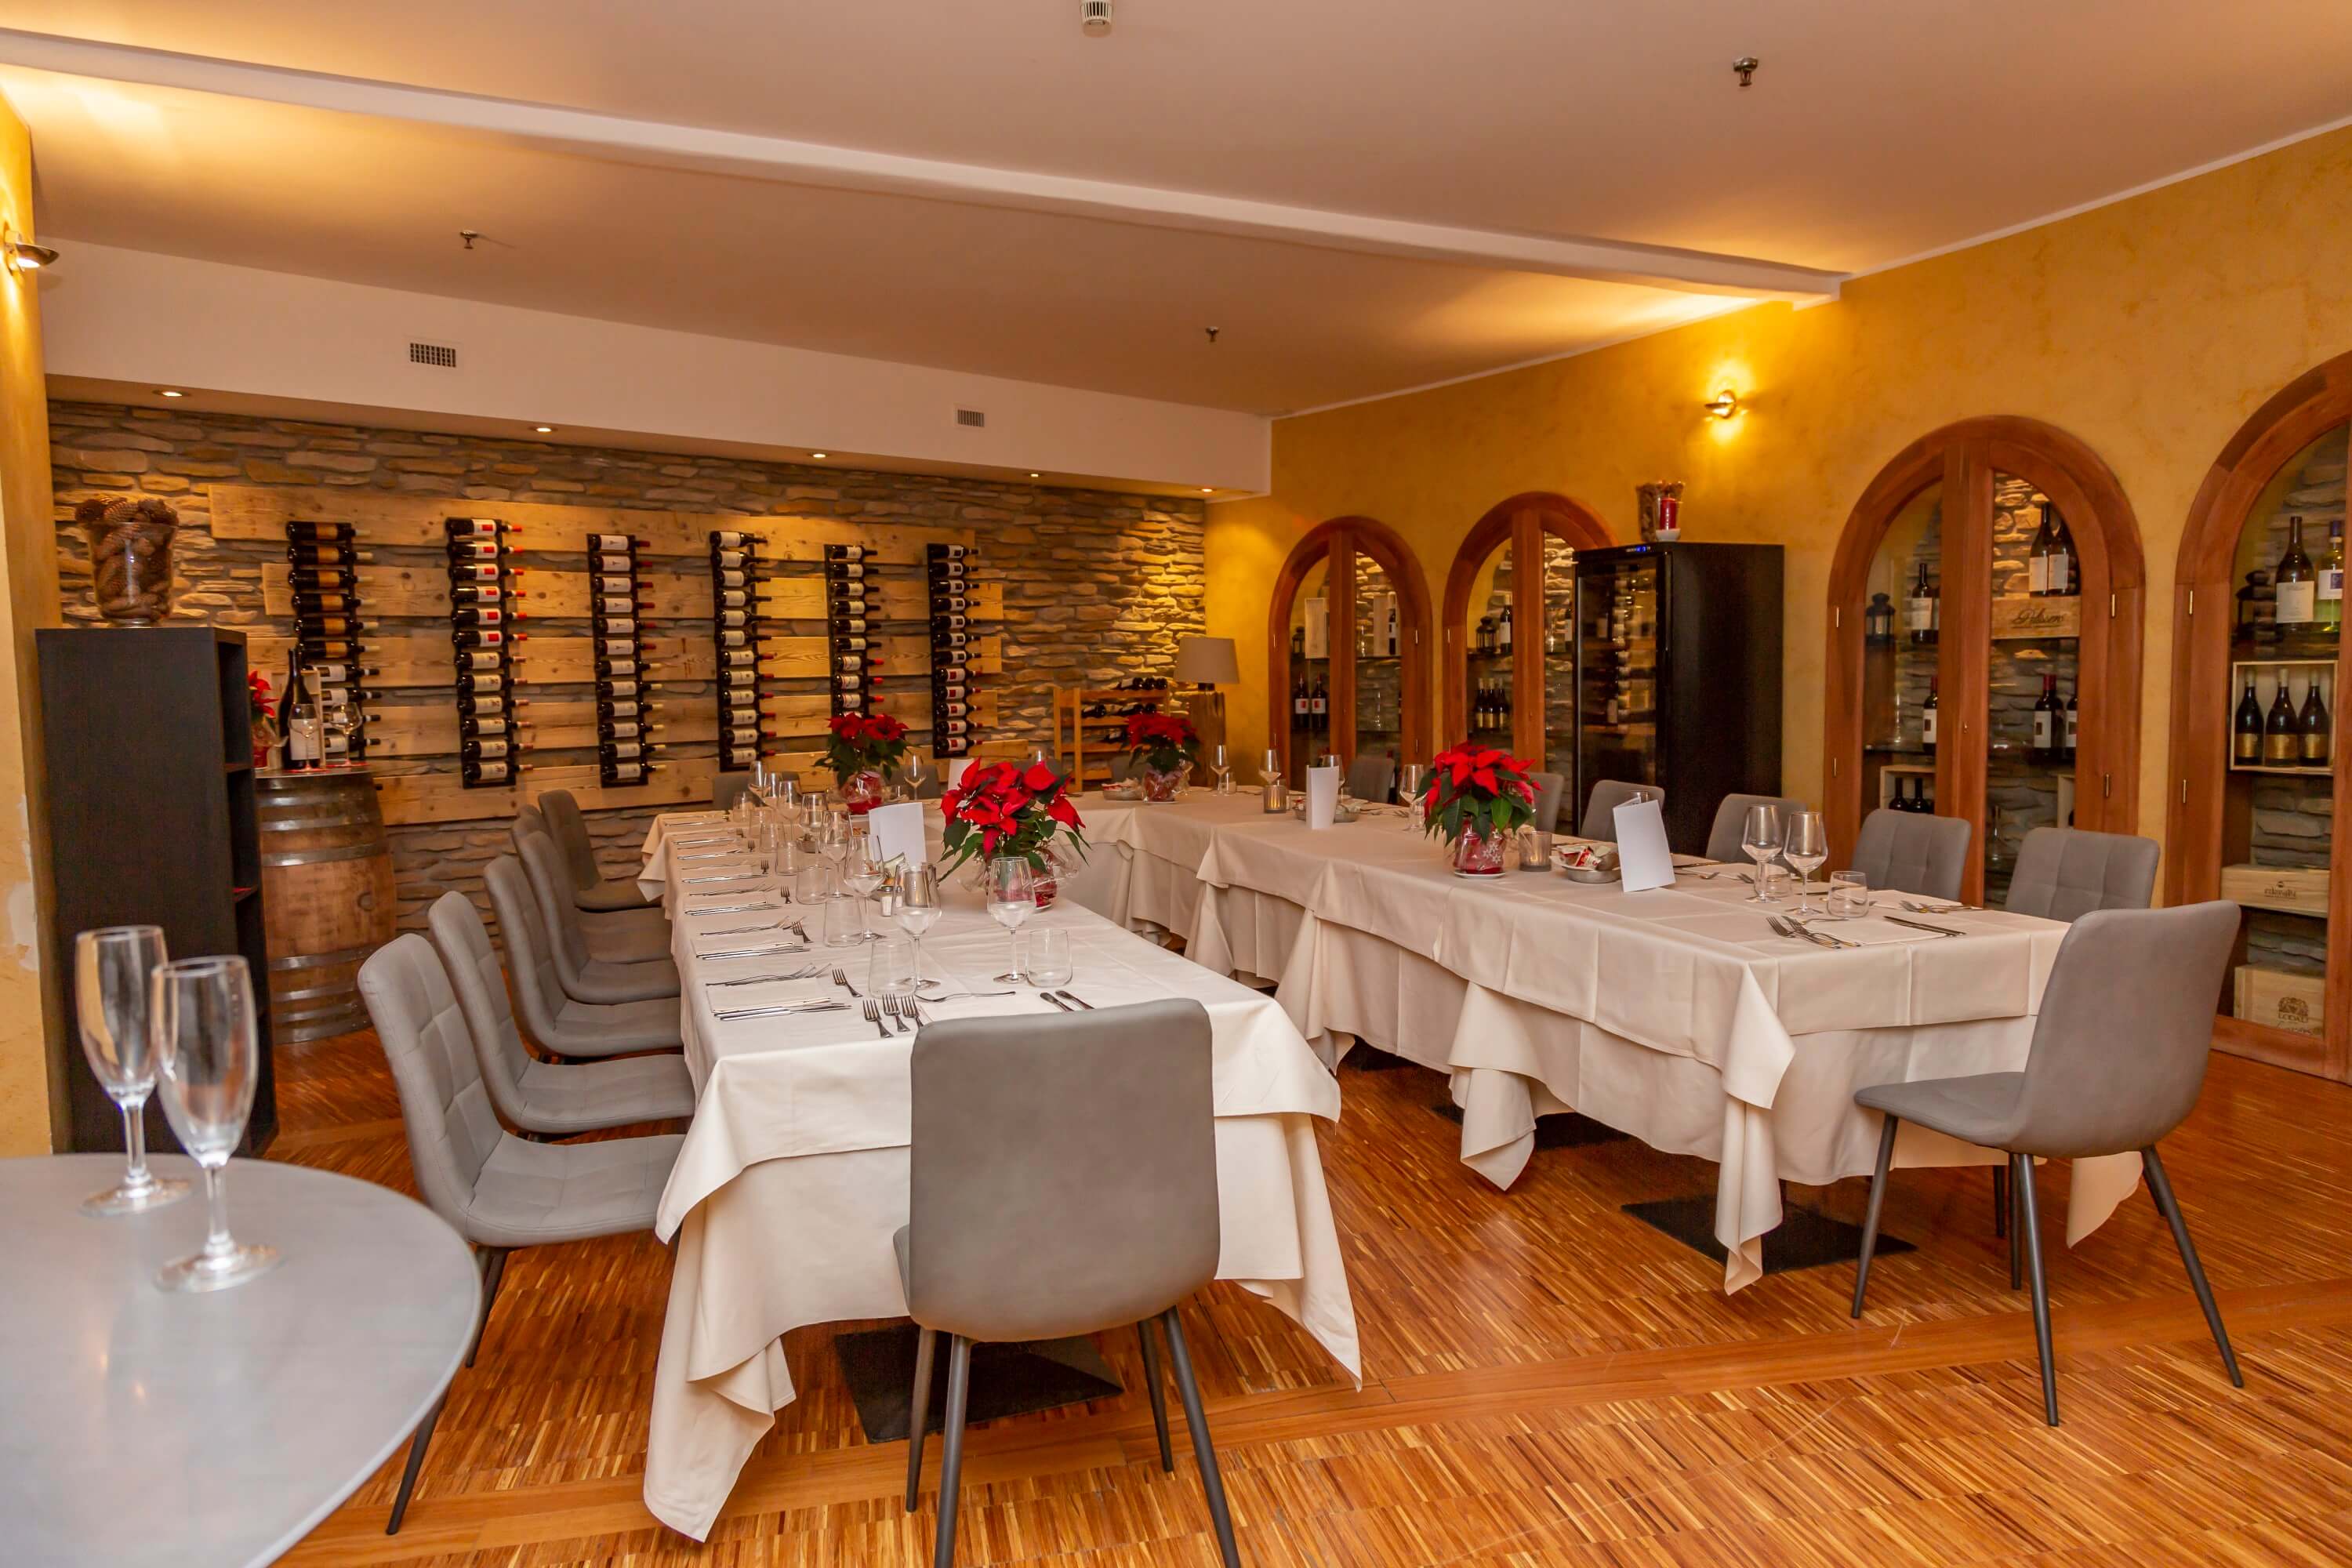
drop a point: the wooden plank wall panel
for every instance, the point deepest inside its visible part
(440, 797)
(422, 730)
(543, 595)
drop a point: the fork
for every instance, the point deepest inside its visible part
(903, 1009)
(874, 1017)
(801, 974)
(1919, 909)
(1821, 937)
(1790, 928)
(841, 978)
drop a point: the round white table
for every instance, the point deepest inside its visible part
(148, 1428)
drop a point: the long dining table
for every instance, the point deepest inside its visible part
(792, 1176)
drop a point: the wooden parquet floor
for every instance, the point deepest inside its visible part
(1547, 1381)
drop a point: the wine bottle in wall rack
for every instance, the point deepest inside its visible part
(323, 579)
(732, 599)
(463, 551)
(326, 555)
(482, 691)
(731, 560)
(491, 616)
(730, 539)
(1923, 611)
(622, 729)
(344, 674)
(489, 574)
(2047, 716)
(609, 706)
(488, 528)
(462, 594)
(949, 552)
(2281, 732)
(738, 620)
(613, 544)
(471, 726)
(948, 604)
(614, 775)
(486, 770)
(619, 689)
(2298, 586)
(483, 748)
(325, 600)
(2246, 738)
(321, 533)
(328, 649)
(732, 577)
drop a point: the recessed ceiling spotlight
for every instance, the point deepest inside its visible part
(1036, 475)
(21, 254)
(1745, 67)
(1093, 16)
(169, 391)
(544, 429)
(1207, 491)
(819, 456)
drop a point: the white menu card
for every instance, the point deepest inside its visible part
(1643, 857)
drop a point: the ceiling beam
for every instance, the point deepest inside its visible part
(657, 144)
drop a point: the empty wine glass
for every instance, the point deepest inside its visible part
(1760, 840)
(1806, 847)
(1269, 767)
(913, 774)
(111, 969)
(1411, 779)
(813, 883)
(1222, 768)
(861, 873)
(1012, 901)
(200, 1018)
(918, 908)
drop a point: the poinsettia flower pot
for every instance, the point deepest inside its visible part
(1163, 784)
(1478, 854)
(862, 792)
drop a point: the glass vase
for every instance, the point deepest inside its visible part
(1479, 854)
(1163, 784)
(861, 791)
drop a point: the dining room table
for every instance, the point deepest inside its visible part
(793, 1174)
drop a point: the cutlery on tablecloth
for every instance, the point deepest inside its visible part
(753, 952)
(1918, 925)
(841, 978)
(1057, 1002)
(781, 1008)
(730, 877)
(874, 1017)
(1919, 909)
(715, 855)
(1789, 928)
(801, 974)
(735, 909)
(1074, 996)
(738, 931)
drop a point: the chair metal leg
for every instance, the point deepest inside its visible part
(494, 1270)
(1158, 1394)
(951, 1450)
(2001, 1203)
(417, 1444)
(1205, 1452)
(2160, 1187)
(919, 1412)
(1870, 1220)
(2015, 1262)
(2021, 1176)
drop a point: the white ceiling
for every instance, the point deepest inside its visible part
(1874, 132)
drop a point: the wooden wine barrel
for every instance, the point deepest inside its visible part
(326, 897)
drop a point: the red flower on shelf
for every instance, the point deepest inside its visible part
(1163, 742)
(1476, 789)
(1009, 808)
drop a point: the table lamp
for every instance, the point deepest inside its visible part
(1207, 662)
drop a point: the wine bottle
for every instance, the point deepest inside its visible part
(1503, 627)
(299, 755)
(615, 564)
(949, 604)
(477, 593)
(480, 660)
(627, 751)
(474, 549)
(2246, 745)
(617, 691)
(463, 635)
(2330, 597)
(323, 602)
(948, 623)
(729, 539)
(1318, 705)
(621, 730)
(732, 579)
(321, 533)
(2298, 584)
(949, 551)
(2317, 738)
(950, 639)
(481, 687)
(1921, 610)
(485, 771)
(733, 599)
(2038, 553)
(738, 619)
(2281, 734)
(1298, 703)
(319, 649)
(610, 666)
(475, 528)
(323, 579)
(325, 555)
(613, 544)
(482, 748)
(491, 573)
(343, 674)
(2073, 716)
(852, 625)
(479, 616)
(2047, 716)
(474, 726)
(1927, 719)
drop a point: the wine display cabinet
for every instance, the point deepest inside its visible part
(1984, 637)
(1348, 650)
(1510, 645)
(2259, 798)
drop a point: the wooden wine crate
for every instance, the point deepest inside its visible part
(2281, 999)
(2291, 889)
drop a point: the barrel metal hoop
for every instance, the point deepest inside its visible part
(320, 857)
(320, 960)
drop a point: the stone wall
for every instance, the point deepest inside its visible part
(1097, 585)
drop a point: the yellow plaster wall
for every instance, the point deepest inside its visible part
(2150, 329)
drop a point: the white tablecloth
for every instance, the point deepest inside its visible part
(793, 1175)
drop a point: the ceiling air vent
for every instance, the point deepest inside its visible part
(974, 417)
(441, 356)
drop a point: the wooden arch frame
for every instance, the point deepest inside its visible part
(1521, 521)
(1965, 456)
(2196, 797)
(1340, 539)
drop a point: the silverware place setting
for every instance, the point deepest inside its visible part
(763, 952)
(1789, 928)
(874, 1017)
(1919, 909)
(734, 910)
(801, 974)
(729, 877)
(1920, 925)
(781, 1008)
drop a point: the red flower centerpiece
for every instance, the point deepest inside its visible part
(860, 749)
(1477, 798)
(1013, 808)
(1166, 745)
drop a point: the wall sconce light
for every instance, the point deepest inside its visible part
(21, 254)
(1723, 404)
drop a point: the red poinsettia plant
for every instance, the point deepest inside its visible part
(1164, 743)
(1476, 789)
(864, 742)
(256, 687)
(1009, 808)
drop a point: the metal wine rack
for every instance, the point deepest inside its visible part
(481, 600)
(852, 614)
(735, 627)
(618, 632)
(322, 572)
(946, 566)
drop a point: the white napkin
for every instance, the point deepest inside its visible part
(896, 831)
(1642, 848)
(1322, 797)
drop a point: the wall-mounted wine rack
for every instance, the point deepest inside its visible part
(481, 640)
(947, 568)
(322, 573)
(735, 628)
(618, 632)
(851, 609)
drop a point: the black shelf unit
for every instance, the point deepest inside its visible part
(1678, 675)
(150, 815)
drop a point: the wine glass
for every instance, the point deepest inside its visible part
(1222, 768)
(861, 873)
(918, 908)
(913, 774)
(1806, 847)
(1760, 840)
(200, 1018)
(111, 969)
(1012, 901)
(1411, 778)
(1269, 767)
(784, 794)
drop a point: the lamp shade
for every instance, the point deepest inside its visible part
(1206, 661)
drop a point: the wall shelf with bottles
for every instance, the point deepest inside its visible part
(1347, 642)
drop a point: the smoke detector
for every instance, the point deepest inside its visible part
(1095, 17)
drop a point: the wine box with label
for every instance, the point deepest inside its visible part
(2291, 889)
(2281, 999)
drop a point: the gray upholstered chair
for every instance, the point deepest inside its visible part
(1123, 767)
(528, 819)
(2117, 1061)
(1085, 1146)
(1600, 806)
(621, 935)
(2064, 873)
(617, 966)
(1372, 778)
(1549, 787)
(1913, 853)
(559, 818)
(726, 789)
(500, 1191)
(544, 1097)
(1724, 836)
(560, 1025)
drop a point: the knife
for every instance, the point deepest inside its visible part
(730, 877)
(752, 952)
(773, 1012)
(1921, 925)
(733, 908)
(1057, 1002)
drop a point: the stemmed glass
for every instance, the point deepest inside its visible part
(912, 774)
(111, 969)
(1806, 847)
(1269, 767)
(1410, 777)
(199, 1016)
(1222, 769)
(1012, 901)
(917, 907)
(1760, 840)
(861, 873)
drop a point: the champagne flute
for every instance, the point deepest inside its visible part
(919, 905)
(1760, 840)
(201, 1018)
(111, 969)
(1012, 901)
(1806, 847)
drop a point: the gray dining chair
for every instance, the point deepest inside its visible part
(604, 970)
(560, 1025)
(624, 936)
(500, 1192)
(551, 1099)
(2064, 873)
(559, 816)
(1372, 778)
(1913, 852)
(1549, 787)
(1083, 1145)
(726, 789)
(1725, 835)
(1600, 806)
(1123, 767)
(2117, 1062)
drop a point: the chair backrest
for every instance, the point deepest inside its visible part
(558, 915)
(1913, 852)
(1600, 806)
(2125, 1025)
(1723, 839)
(562, 822)
(1549, 789)
(726, 789)
(2064, 873)
(530, 957)
(1084, 1147)
(1372, 778)
(1123, 767)
(464, 945)
(528, 819)
(452, 1128)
